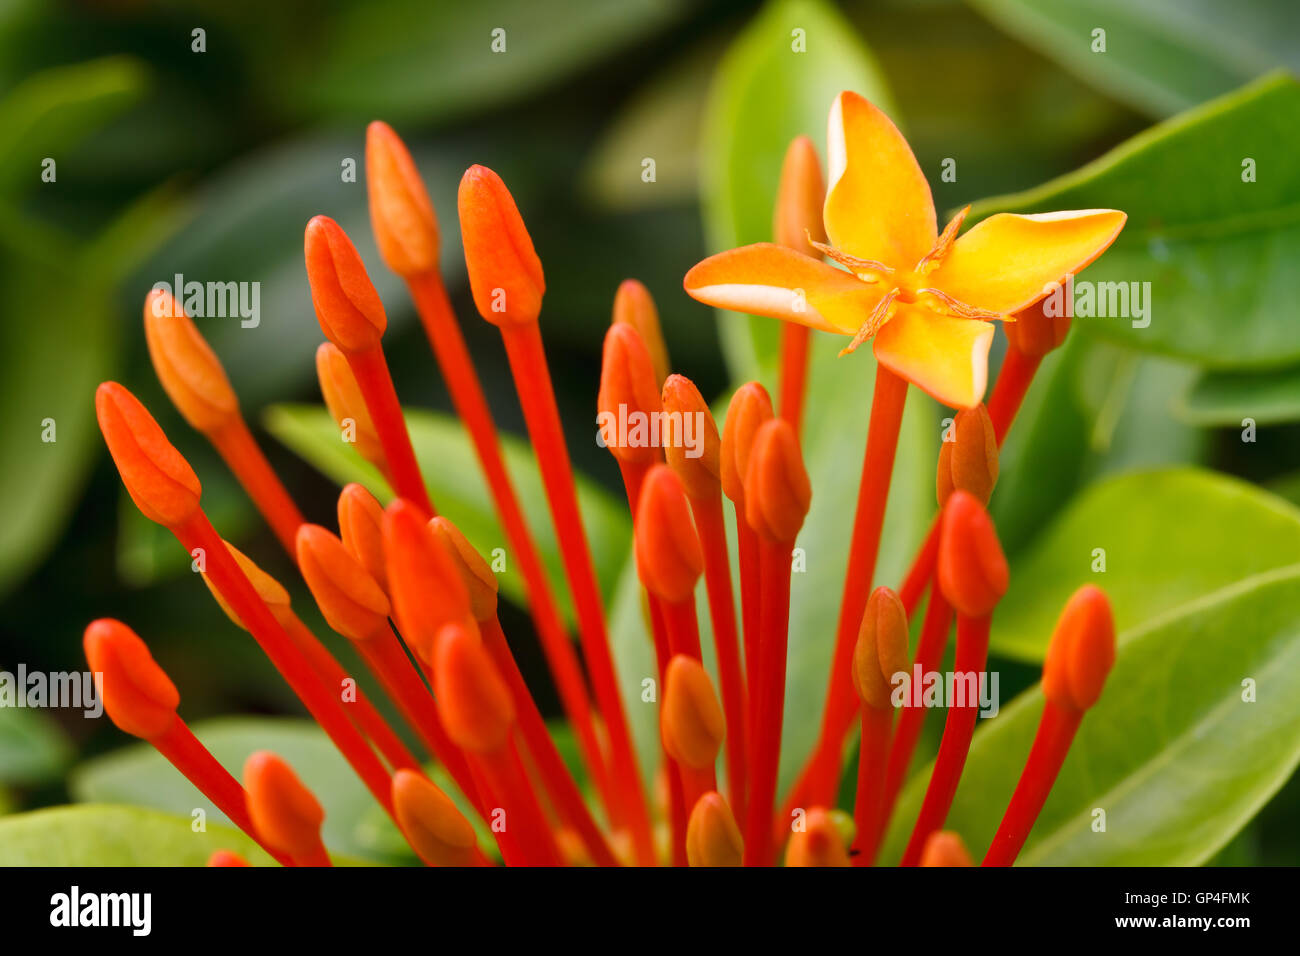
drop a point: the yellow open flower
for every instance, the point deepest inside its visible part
(923, 297)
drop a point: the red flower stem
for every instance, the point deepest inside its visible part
(747, 557)
(323, 704)
(765, 742)
(683, 628)
(241, 453)
(371, 372)
(722, 612)
(527, 836)
(387, 660)
(921, 571)
(794, 372)
(1014, 379)
(196, 763)
(1056, 729)
(444, 334)
(868, 804)
(560, 786)
(820, 780)
(363, 713)
(527, 358)
(972, 656)
(696, 783)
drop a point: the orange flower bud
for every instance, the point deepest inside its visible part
(139, 697)
(424, 584)
(505, 274)
(189, 370)
(361, 524)
(750, 407)
(226, 858)
(687, 416)
(777, 490)
(347, 407)
(477, 574)
(157, 477)
(272, 593)
(473, 699)
(1082, 651)
(691, 721)
(972, 569)
(350, 600)
(818, 844)
(347, 305)
(634, 306)
(970, 460)
(669, 559)
(799, 199)
(1034, 333)
(284, 812)
(401, 214)
(712, 837)
(437, 831)
(945, 848)
(881, 651)
(628, 391)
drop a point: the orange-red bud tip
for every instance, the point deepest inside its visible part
(226, 858)
(351, 601)
(347, 406)
(157, 477)
(1082, 651)
(945, 848)
(691, 720)
(347, 305)
(505, 275)
(401, 214)
(361, 524)
(1034, 333)
(750, 407)
(972, 568)
(970, 460)
(473, 699)
(284, 812)
(881, 651)
(692, 445)
(628, 392)
(189, 370)
(819, 843)
(480, 581)
(270, 590)
(712, 836)
(437, 831)
(777, 490)
(799, 199)
(424, 584)
(669, 559)
(633, 306)
(139, 697)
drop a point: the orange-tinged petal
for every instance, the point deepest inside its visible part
(361, 525)
(634, 306)
(767, 279)
(139, 696)
(473, 698)
(799, 200)
(946, 358)
(347, 406)
(189, 370)
(285, 813)
(347, 305)
(436, 829)
(350, 600)
(1005, 263)
(691, 723)
(878, 205)
(401, 214)
(505, 275)
(480, 581)
(712, 837)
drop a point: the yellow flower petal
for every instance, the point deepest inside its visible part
(879, 205)
(945, 357)
(766, 279)
(1006, 262)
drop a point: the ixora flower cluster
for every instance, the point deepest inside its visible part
(402, 578)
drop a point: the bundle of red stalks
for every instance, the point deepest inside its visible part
(419, 603)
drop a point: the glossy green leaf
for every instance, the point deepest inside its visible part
(1160, 56)
(1169, 536)
(765, 94)
(1228, 398)
(451, 471)
(33, 748)
(139, 776)
(1174, 753)
(1215, 249)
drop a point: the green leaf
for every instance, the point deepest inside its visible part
(1172, 753)
(451, 470)
(766, 94)
(139, 776)
(1226, 398)
(116, 836)
(1161, 56)
(1169, 537)
(1215, 250)
(33, 748)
